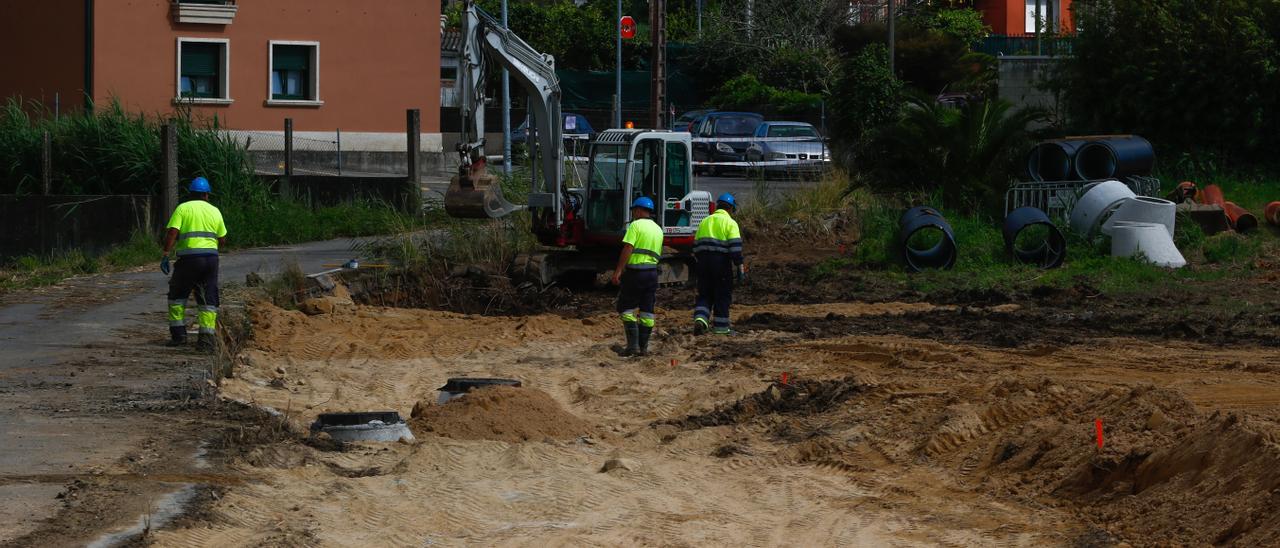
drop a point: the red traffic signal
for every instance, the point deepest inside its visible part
(628, 25)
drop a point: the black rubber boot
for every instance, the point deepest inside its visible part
(177, 335)
(632, 330)
(206, 343)
(645, 331)
(699, 326)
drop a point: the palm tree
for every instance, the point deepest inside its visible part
(965, 152)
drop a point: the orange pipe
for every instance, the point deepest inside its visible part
(1184, 192)
(1273, 213)
(1211, 195)
(1240, 218)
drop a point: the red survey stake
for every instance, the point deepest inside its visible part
(1097, 424)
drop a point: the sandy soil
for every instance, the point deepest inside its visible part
(875, 438)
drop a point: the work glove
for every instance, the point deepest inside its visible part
(741, 272)
(164, 265)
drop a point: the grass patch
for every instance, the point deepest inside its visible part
(34, 270)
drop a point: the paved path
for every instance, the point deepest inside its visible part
(78, 359)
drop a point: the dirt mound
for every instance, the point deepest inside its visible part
(803, 397)
(499, 413)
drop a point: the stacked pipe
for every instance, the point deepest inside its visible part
(1137, 224)
(1091, 158)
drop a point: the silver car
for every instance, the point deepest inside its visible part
(789, 147)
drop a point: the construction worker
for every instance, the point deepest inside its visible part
(196, 231)
(718, 249)
(637, 274)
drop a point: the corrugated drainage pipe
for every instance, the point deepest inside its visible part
(1049, 253)
(1115, 157)
(923, 220)
(1273, 213)
(1053, 160)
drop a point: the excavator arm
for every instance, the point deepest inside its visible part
(473, 192)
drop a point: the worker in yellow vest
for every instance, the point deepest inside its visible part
(718, 248)
(637, 276)
(195, 233)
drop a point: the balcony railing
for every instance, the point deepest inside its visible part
(207, 12)
(1026, 44)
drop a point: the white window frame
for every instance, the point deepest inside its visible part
(315, 101)
(225, 79)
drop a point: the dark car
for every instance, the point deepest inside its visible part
(724, 137)
(789, 147)
(685, 121)
(575, 126)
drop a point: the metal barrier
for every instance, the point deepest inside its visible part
(1058, 198)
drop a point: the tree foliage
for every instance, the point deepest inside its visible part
(866, 97)
(1188, 74)
(748, 93)
(965, 153)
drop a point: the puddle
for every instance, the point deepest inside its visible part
(166, 509)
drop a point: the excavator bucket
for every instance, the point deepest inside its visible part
(476, 195)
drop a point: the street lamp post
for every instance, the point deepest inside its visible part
(617, 88)
(506, 107)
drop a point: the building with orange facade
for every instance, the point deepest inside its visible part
(353, 65)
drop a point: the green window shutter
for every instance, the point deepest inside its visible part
(291, 58)
(201, 59)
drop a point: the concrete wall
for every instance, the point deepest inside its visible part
(1020, 76)
(377, 58)
(43, 51)
(42, 224)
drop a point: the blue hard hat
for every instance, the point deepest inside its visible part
(644, 202)
(200, 184)
(727, 198)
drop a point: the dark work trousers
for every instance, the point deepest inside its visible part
(715, 288)
(637, 295)
(198, 273)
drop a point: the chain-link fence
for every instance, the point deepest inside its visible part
(311, 153)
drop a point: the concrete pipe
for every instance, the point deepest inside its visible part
(1143, 209)
(1115, 157)
(383, 426)
(922, 220)
(1273, 213)
(1053, 160)
(1049, 254)
(1097, 202)
(1150, 239)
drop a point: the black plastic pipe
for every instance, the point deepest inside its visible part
(1054, 160)
(942, 256)
(1115, 158)
(1049, 254)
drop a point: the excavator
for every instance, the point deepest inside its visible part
(580, 229)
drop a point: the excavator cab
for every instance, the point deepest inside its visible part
(628, 164)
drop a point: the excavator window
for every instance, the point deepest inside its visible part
(646, 175)
(677, 183)
(605, 209)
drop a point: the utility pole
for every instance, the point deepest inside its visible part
(657, 61)
(617, 88)
(891, 72)
(506, 107)
(751, 18)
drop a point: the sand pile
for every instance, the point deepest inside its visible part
(500, 413)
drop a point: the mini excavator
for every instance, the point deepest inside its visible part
(580, 228)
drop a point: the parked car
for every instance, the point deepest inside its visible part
(736, 127)
(685, 121)
(574, 126)
(803, 149)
